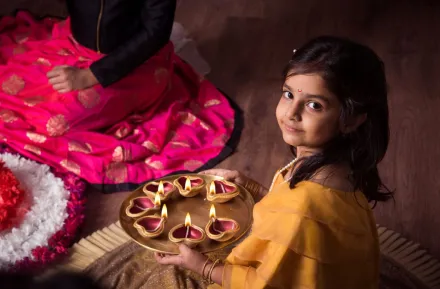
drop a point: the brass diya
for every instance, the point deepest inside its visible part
(189, 186)
(165, 189)
(187, 233)
(238, 209)
(142, 205)
(152, 226)
(220, 229)
(221, 191)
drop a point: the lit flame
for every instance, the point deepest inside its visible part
(187, 220)
(164, 211)
(212, 212)
(161, 189)
(157, 200)
(212, 188)
(188, 184)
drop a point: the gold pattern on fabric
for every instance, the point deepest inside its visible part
(13, 85)
(212, 102)
(122, 132)
(71, 166)
(33, 100)
(36, 137)
(8, 115)
(43, 61)
(157, 165)
(220, 140)
(19, 50)
(117, 172)
(21, 38)
(187, 118)
(57, 125)
(74, 146)
(192, 165)
(89, 98)
(151, 146)
(121, 154)
(63, 52)
(33, 149)
(204, 125)
(179, 144)
(161, 75)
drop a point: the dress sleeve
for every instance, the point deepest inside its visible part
(157, 18)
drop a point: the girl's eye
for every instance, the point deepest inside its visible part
(314, 105)
(287, 94)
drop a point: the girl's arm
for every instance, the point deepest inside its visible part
(157, 19)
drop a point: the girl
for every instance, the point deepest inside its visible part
(104, 96)
(314, 228)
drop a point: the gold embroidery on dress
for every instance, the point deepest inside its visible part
(57, 125)
(74, 146)
(192, 165)
(8, 116)
(71, 166)
(158, 165)
(212, 102)
(89, 98)
(33, 100)
(116, 172)
(36, 137)
(13, 85)
(63, 52)
(151, 146)
(33, 149)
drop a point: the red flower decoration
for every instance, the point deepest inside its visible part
(11, 196)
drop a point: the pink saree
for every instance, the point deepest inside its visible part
(160, 119)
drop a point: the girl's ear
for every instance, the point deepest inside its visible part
(351, 123)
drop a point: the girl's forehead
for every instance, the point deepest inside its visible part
(310, 83)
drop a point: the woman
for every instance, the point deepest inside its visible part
(103, 95)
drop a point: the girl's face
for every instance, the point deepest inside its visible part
(308, 113)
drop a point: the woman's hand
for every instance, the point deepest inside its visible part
(232, 176)
(66, 78)
(188, 259)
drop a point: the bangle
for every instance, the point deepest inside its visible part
(211, 270)
(253, 187)
(203, 269)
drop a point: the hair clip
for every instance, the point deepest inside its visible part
(294, 51)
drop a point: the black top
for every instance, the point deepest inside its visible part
(128, 31)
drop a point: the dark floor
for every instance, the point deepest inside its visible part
(247, 43)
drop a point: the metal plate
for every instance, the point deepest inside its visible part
(239, 209)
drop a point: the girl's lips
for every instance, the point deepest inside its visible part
(292, 129)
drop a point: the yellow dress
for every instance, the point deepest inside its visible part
(309, 237)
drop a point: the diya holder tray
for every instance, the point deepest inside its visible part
(205, 212)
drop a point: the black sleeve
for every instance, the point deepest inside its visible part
(157, 19)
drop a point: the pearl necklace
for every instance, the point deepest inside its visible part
(282, 170)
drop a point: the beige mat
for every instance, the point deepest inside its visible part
(104, 254)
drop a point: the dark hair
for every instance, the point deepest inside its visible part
(355, 74)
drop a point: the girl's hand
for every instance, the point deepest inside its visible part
(188, 259)
(232, 176)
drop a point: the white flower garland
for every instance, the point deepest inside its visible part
(46, 215)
